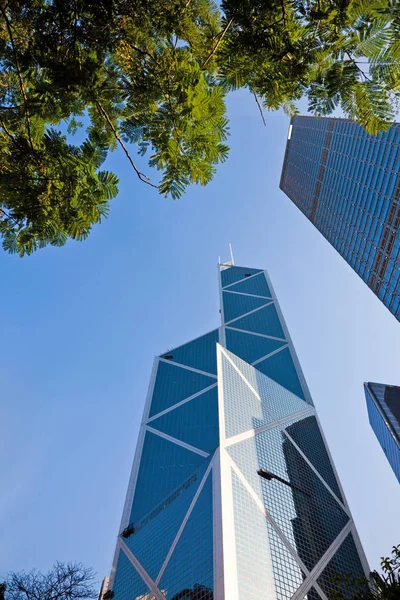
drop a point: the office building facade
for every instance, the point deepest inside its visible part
(383, 404)
(233, 494)
(347, 183)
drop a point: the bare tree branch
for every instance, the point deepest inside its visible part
(356, 65)
(259, 107)
(141, 175)
(221, 37)
(6, 130)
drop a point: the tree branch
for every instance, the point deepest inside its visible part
(221, 37)
(356, 65)
(141, 175)
(259, 107)
(6, 130)
(144, 52)
(283, 12)
(76, 17)
(21, 82)
(8, 216)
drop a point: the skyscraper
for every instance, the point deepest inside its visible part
(233, 495)
(347, 183)
(383, 404)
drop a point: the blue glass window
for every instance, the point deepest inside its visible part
(306, 434)
(254, 285)
(345, 563)
(265, 321)
(280, 368)
(154, 534)
(191, 565)
(305, 511)
(174, 384)
(163, 467)
(233, 274)
(250, 347)
(236, 305)
(195, 422)
(128, 585)
(199, 354)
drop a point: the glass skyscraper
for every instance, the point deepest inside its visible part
(233, 494)
(383, 404)
(347, 183)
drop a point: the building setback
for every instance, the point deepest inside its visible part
(383, 404)
(233, 494)
(347, 183)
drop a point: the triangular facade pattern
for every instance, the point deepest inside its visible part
(127, 581)
(194, 422)
(199, 354)
(200, 522)
(235, 305)
(167, 465)
(264, 320)
(256, 285)
(253, 347)
(191, 563)
(288, 575)
(156, 531)
(174, 384)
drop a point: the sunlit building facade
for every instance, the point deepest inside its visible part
(383, 404)
(233, 495)
(347, 183)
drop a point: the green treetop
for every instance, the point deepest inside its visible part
(154, 74)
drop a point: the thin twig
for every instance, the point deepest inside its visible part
(221, 37)
(283, 12)
(8, 216)
(356, 65)
(76, 17)
(21, 82)
(6, 130)
(141, 175)
(144, 52)
(259, 107)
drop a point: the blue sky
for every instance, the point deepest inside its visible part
(81, 325)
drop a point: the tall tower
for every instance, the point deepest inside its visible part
(347, 183)
(233, 495)
(383, 404)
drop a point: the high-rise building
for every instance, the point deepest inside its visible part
(383, 404)
(347, 183)
(233, 494)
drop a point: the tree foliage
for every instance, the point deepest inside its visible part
(134, 71)
(335, 52)
(154, 74)
(70, 581)
(379, 586)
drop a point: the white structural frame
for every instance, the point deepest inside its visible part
(222, 466)
(310, 580)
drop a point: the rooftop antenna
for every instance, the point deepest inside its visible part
(230, 249)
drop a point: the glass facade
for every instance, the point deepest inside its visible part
(383, 404)
(347, 183)
(233, 495)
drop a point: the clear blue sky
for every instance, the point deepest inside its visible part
(81, 325)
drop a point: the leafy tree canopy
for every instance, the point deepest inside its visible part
(154, 73)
